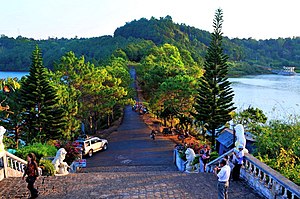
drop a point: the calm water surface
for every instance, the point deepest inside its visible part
(6, 74)
(278, 96)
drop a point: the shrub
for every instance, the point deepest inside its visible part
(213, 155)
(73, 152)
(39, 149)
(47, 167)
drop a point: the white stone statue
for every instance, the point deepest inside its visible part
(60, 166)
(2, 131)
(190, 156)
(240, 137)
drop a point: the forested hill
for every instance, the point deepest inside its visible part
(137, 37)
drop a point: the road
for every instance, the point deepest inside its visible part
(131, 145)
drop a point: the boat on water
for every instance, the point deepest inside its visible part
(286, 70)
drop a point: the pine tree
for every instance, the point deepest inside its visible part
(43, 118)
(214, 100)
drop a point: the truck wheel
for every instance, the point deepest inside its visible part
(90, 153)
(104, 147)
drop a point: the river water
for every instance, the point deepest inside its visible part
(6, 74)
(278, 96)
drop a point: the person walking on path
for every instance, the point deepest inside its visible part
(32, 172)
(239, 156)
(223, 174)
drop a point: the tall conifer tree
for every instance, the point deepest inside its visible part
(43, 118)
(214, 100)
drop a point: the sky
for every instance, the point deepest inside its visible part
(41, 19)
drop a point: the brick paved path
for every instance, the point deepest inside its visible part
(124, 184)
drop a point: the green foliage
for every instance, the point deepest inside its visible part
(47, 168)
(213, 155)
(251, 118)
(10, 114)
(39, 149)
(167, 83)
(9, 143)
(196, 160)
(43, 117)
(73, 151)
(278, 146)
(182, 155)
(97, 90)
(136, 38)
(214, 101)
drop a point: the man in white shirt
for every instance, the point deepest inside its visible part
(223, 173)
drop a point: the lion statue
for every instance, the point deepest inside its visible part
(190, 156)
(60, 166)
(240, 137)
(2, 131)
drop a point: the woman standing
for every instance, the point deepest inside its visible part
(32, 173)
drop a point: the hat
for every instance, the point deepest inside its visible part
(241, 146)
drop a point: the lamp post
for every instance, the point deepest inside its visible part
(232, 125)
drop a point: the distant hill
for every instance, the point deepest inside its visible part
(135, 38)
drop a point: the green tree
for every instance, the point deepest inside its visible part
(278, 145)
(68, 99)
(251, 118)
(43, 118)
(214, 100)
(101, 88)
(10, 111)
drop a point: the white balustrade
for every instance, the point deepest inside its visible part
(9, 160)
(266, 181)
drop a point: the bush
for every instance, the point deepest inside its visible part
(47, 167)
(213, 155)
(39, 149)
(73, 152)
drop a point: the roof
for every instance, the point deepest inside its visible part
(226, 138)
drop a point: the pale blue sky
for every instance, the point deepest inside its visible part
(40, 19)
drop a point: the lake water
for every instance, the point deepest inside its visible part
(278, 96)
(6, 74)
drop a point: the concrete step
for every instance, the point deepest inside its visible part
(136, 168)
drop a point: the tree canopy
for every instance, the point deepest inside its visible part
(214, 101)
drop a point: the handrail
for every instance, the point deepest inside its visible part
(209, 166)
(279, 184)
(9, 160)
(265, 180)
(15, 158)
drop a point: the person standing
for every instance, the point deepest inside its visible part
(223, 174)
(205, 156)
(32, 173)
(239, 157)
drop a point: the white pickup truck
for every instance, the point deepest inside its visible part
(91, 145)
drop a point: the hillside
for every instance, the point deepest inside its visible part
(137, 37)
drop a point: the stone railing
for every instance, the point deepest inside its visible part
(267, 181)
(178, 161)
(262, 178)
(211, 165)
(11, 165)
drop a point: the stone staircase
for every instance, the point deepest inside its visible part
(126, 182)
